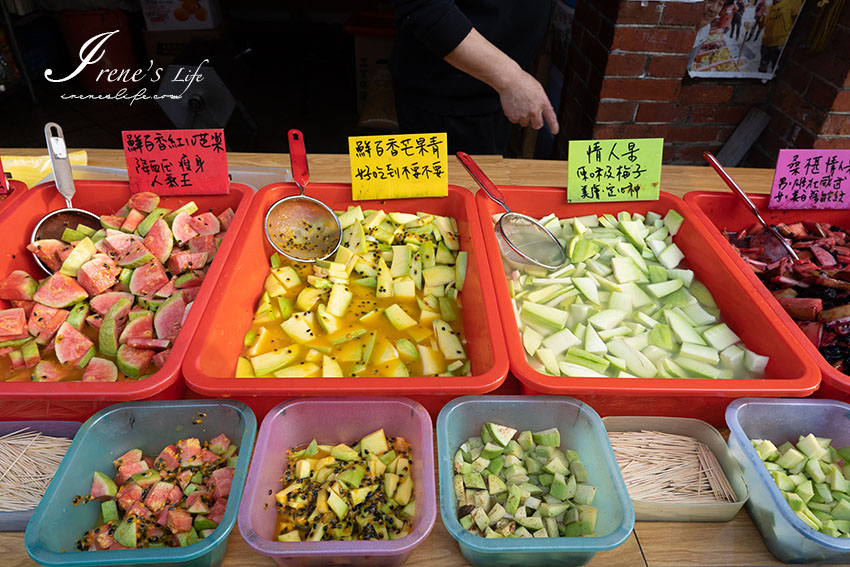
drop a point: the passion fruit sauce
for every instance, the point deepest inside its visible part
(302, 229)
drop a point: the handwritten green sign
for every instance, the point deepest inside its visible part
(614, 170)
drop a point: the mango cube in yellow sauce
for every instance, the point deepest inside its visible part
(339, 492)
(387, 304)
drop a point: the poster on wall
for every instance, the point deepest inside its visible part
(745, 38)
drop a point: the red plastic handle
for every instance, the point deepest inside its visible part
(298, 158)
(482, 180)
(5, 186)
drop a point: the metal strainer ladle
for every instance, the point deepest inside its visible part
(521, 238)
(53, 224)
(302, 228)
(724, 175)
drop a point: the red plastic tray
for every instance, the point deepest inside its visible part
(790, 371)
(18, 188)
(79, 400)
(210, 364)
(720, 211)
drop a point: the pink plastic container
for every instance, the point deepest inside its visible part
(335, 420)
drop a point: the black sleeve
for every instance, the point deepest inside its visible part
(438, 24)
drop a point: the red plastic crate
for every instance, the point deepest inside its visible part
(720, 211)
(18, 188)
(210, 364)
(790, 371)
(79, 400)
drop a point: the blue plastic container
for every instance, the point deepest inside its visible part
(108, 434)
(581, 430)
(781, 420)
(17, 521)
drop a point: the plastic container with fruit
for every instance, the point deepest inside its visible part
(292, 426)
(395, 311)
(638, 388)
(75, 305)
(781, 421)
(723, 212)
(60, 519)
(581, 430)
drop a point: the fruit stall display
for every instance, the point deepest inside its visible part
(648, 316)
(810, 295)
(103, 295)
(421, 259)
(692, 252)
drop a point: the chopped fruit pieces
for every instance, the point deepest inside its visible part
(510, 485)
(627, 308)
(814, 290)
(68, 323)
(812, 477)
(170, 504)
(334, 492)
(387, 304)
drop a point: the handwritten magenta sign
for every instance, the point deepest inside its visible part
(811, 179)
(176, 162)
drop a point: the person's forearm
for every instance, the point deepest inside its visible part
(477, 57)
(523, 99)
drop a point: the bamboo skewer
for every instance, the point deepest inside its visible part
(28, 461)
(664, 467)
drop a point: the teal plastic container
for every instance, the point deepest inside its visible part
(108, 434)
(780, 420)
(581, 430)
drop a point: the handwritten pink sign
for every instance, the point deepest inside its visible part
(811, 179)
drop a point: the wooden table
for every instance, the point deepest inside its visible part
(653, 544)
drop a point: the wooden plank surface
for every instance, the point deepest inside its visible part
(736, 543)
(329, 168)
(438, 550)
(676, 544)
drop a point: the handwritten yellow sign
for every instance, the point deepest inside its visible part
(614, 170)
(398, 166)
